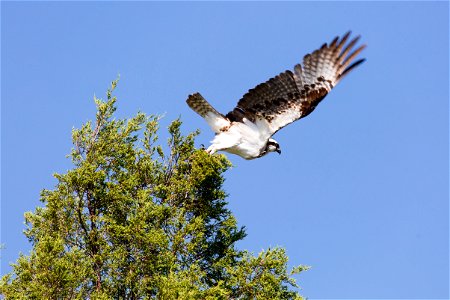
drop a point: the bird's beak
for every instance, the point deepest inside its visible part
(279, 151)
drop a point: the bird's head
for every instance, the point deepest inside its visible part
(272, 146)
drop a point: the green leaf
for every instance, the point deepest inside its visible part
(130, 221)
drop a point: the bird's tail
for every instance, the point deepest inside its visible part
(199, 104)
(215, 119)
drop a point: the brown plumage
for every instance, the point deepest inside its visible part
(281, 100)
(302, 89)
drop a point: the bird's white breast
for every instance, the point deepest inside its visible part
(245, 139)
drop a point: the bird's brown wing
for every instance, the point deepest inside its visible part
(295, 94)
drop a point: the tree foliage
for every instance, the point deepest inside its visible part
(131, 221)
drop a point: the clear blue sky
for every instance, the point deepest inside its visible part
(360, 192)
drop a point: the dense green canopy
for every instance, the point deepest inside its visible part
(130, 221)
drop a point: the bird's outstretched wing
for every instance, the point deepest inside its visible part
(294, 94)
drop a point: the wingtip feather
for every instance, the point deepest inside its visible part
(351, 67)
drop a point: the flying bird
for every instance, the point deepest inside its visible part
(247, 130)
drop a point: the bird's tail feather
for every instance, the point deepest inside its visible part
(199, 104)
(216, 120)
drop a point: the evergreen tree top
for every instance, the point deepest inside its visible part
(131, 221)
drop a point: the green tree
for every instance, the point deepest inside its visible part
(130, 221)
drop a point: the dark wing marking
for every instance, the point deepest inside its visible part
(293, 95)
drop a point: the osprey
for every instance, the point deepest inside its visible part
(248, 128)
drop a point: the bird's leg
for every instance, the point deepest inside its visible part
(211, 149)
